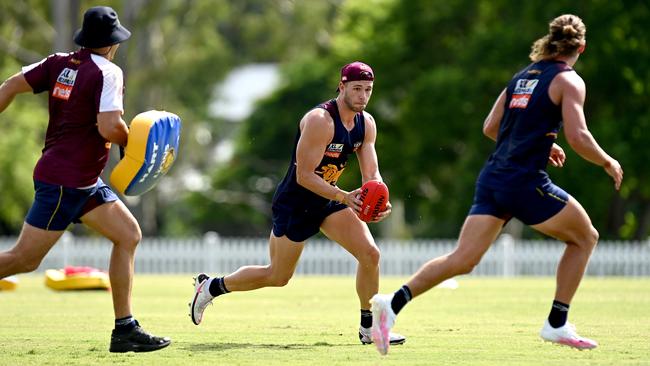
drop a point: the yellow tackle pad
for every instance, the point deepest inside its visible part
(151, 150)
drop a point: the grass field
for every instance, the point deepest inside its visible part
(314, 321)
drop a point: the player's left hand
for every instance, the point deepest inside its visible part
(384, 214)
(352, 200)
(557, 156)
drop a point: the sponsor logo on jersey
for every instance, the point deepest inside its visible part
(519, 101)
(64, 84)
(334, 150)
(523, 91)
(525, 86)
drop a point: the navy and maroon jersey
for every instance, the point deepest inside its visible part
(335, 158)
(79, 85)
(529, 126)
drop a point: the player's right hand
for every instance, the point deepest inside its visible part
(614, 169)
(384, 214)
(557, 156)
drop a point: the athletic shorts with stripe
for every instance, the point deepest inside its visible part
(55, 207)
(532, 204)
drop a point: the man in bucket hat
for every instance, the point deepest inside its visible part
(85, 91)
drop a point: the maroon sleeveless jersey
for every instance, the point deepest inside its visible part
(79, 85)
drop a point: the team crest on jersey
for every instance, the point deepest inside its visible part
(523, 91)
(331, 172)
(334, 150)
(64, 84)
(356, 146)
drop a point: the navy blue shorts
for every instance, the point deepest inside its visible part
(301, 223)
(55, 207)
(532, 205)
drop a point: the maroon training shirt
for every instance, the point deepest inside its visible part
(80, 85)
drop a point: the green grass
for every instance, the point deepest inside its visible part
(314, 321)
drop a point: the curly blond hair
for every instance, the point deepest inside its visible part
(566, 34)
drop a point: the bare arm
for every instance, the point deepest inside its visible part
(16, 84)
(317, 130)
(367, 154)
(368, 162)
(572, 91)
(493, 119)
(112, 127)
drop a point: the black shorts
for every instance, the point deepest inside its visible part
(299, 223)
(55, 207)
(532, 205)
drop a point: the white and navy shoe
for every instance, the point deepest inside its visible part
(202, 298)
(365, 336)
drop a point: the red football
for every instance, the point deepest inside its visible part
(374, 195)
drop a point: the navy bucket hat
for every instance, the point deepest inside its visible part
(101, 28)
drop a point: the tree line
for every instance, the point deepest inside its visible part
(439, 66)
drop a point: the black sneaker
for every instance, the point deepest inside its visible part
(137, 340)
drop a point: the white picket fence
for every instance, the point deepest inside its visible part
(217, 255)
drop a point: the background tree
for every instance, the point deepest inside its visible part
(178, 52)
(23, 124)
(439, 67)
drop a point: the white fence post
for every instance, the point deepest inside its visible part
(211, 242)
(211, 253)
(507, 243)
(66, 241)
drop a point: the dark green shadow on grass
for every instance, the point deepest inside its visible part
(211, 347)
